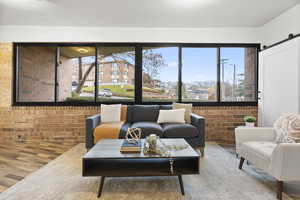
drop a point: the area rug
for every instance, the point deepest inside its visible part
(219, 179)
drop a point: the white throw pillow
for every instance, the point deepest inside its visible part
(171, 116)
(110, 113)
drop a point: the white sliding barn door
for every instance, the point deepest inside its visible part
(279, 81)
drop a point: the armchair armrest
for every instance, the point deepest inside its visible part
(91, 123)
(285, 162)
(248, 134)
(199, 123)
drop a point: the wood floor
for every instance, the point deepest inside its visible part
(17, 160)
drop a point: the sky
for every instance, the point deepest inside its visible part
(200, 64)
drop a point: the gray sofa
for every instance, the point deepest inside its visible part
(145, 117)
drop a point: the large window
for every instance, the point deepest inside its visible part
(116, 70)
(160, 74)
(199, 74)
(238, 74)
(76, 74)
(95, 73)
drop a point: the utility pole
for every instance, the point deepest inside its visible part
(233, 82)
(223, 62)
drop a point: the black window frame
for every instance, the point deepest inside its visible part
(138, 73)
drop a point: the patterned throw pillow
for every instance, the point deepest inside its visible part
(287, 127)
(294, 127)
(188, 110)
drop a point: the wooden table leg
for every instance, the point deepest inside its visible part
(101, 186)
(181, 184)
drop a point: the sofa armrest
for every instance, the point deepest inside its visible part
(285, 162)
(248, 134)
(199, 123)
(91, 123)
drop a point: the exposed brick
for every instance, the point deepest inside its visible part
(68, 123)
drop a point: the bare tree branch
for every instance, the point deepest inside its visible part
(152, 64)
(86, 74)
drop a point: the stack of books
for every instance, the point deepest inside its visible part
(131, 147)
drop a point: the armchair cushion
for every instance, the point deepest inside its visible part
(253, 134)
(258, 152)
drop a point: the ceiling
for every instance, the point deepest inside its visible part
(142, 13)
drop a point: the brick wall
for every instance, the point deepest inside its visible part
(36, 74)
(250, 61)
(68, 123)
(221, 121)
(65, 78)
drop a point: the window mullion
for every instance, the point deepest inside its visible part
(179, 74)
(57, 57)
(16, 82)
(218, 74)
(138, 74)
(96, 83)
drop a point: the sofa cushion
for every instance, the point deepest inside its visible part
(148, 128)
(258, 152)
(145, 113)
(124, 129)
(175, 130)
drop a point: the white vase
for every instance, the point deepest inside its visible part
(249, 124)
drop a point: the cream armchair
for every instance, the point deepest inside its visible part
(258, 146)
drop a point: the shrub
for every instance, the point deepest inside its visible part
(249, 119)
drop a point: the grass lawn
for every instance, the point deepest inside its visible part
(121, 91)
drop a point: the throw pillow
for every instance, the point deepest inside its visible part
(110, 113)
(287, 127)
(188, 110)
(171, 116)
(294, 127)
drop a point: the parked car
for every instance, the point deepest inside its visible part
(74, 85)
(105, 93)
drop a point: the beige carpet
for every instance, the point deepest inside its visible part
(219, 179)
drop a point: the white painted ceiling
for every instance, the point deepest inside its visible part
(142, 13)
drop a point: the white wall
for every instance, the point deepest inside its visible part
(280, 27)
(86, 34)
(273, 31)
